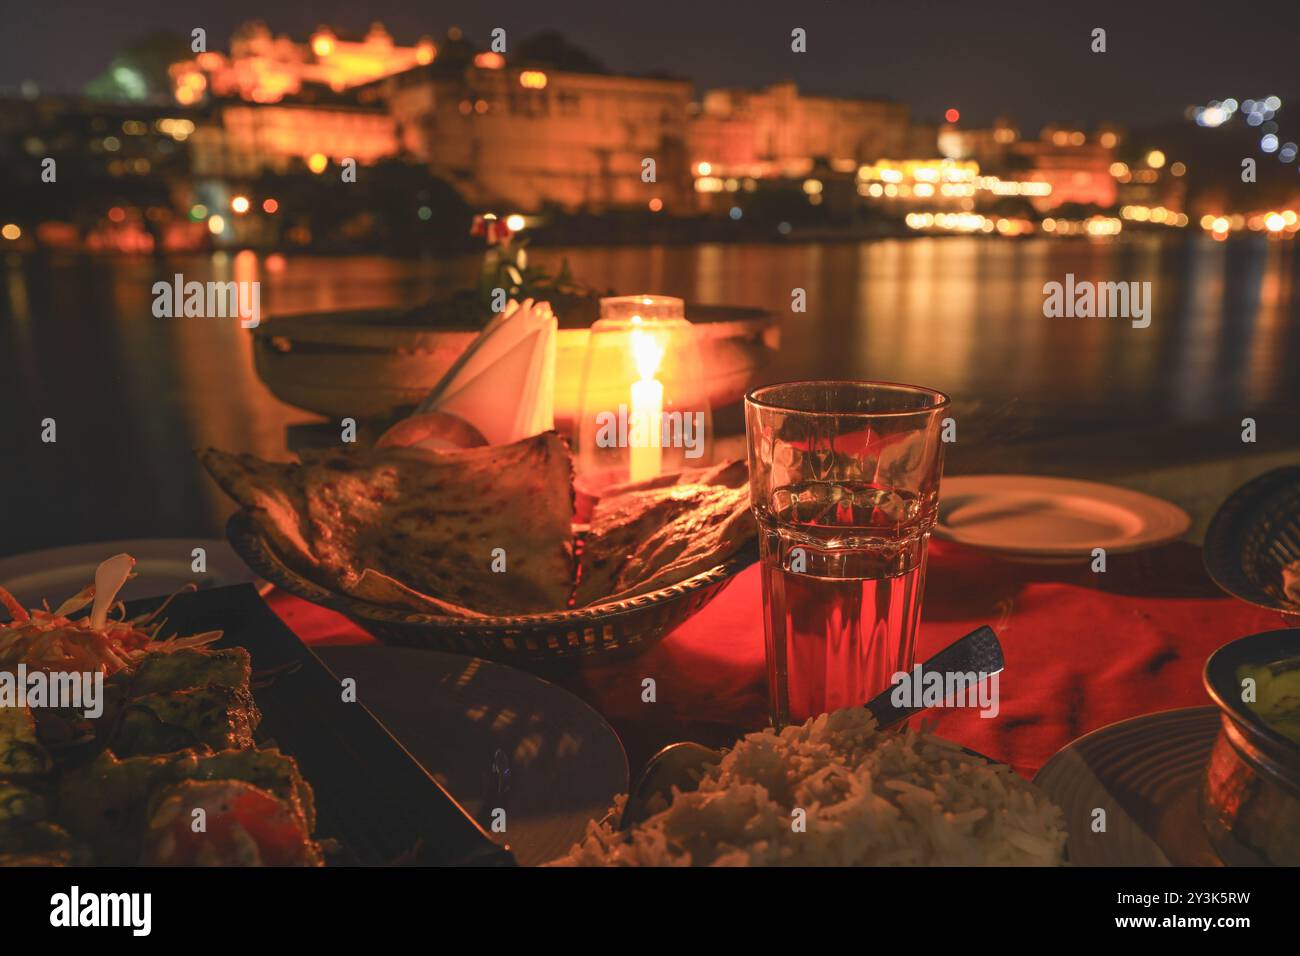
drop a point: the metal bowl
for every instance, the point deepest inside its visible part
(599, 633)
(1250, 803)
(1253, 535)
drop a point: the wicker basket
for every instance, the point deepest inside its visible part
(601, 633)
(1253, 535)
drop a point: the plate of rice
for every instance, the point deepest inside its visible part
(835, 791)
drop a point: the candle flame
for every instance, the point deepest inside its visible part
(647, 353)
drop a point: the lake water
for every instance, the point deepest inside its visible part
(132, 394)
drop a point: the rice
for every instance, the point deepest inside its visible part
(868, 799)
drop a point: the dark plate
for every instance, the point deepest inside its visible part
(372, 797)
(1253, 534)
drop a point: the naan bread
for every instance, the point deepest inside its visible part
(649, 538)
(423, 521)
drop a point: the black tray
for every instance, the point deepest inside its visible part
(372, 797)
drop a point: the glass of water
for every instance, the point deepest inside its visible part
(844, 482)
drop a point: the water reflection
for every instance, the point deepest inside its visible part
(132, 394)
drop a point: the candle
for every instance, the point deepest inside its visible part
(645, 454)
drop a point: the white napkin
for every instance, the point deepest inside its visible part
(504, 383)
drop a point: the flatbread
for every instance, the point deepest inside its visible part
(732, 474)
(646, 539)
(374, 587)
(425, 521)
(272, 494)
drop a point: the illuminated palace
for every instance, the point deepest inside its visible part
(532, 138)
(281, 101)
(526, 137)
(539, 132)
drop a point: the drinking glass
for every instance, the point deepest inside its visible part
(844, 482)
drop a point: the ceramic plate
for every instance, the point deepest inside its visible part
(1146, 774)
(163, 566)
(1038, 517)
(496, 738)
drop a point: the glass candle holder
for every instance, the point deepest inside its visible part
(643, 407)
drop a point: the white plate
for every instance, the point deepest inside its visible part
(1041, 517)
(1145, 773)
(461, 716)
(163, 566)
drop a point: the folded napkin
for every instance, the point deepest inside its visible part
(504, 383)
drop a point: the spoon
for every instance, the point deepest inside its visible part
(682, 764)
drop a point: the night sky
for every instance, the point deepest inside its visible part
(1027, 60)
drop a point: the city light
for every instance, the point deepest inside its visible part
(515, 222)
(489, 60)
(11, 231)
(322, 44)
(270, 206)
(317, 162)
(952, 115)
(216, 225)
(656, 204)
(1155, 159)
(239, 205)
(1154, 214)
(533, 80)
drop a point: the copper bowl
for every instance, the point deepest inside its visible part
(1250, 803)
(535, 641)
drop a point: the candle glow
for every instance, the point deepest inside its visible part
(645, 456)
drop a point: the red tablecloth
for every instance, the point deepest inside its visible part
(1082, 650)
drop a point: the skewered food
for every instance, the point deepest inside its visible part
(168, 773)
(109, 803)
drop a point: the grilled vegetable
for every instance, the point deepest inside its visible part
(107, 802)
(20, 805)
(21, 751)
(192, 667)
(216, 717)
(40, 844)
